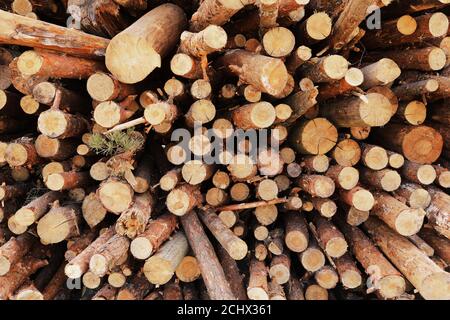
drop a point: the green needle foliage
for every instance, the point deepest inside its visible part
(116, 142)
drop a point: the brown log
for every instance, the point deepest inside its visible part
(440, 244)
(57, 124)
(212, 272)
(412, 90)
(385, 179)
(34, 210)
(214, 12)
(347, 153)
(257, 288)
(316, 136)
(211, 39)
(437, 211)
(116, 195)
(316, 292)
(382, 72)
(133, 221)
(406, 221)
(330, 238)
(298, 57)
(348, 272)
(421, 271)
(316, 28)
(301, 103)
(424, 174)
(107, 292)
(136, 289)
(104, 87)
(109, 255)
(296, 232)
(312, 259)
(80, 264)
(13, 250)
(264, 73)
(326, 277)
(183, 199)
(413, 195)
(188, 269)
(326, 69)
(67, 180)
(353, 78)
(358, 197)
(317, 185)
(22, 153)
(344, 177)
(54, 149)
(143, 39)
(76, 245)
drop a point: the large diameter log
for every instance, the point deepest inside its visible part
(236, 247)
(384, 277)
(29, 32)
(13, 251)
(80, 264)
(51, 65)
(420, 144)
(145, 43)
(372, 109)
(212, 272)
(59, 224)
(431, 281)
(406, 221)
(264, 73)
(316, 136)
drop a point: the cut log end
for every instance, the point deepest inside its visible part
(391, 286)
(336, 247)
(52, 123)
(296, 241)
(409, 221)
(141, 248)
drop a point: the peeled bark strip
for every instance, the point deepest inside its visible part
(372, 109)
(28, 32)
(67, 180)
(13, 250)
(80, 264)
(316, 136)
(317, 185)
(326, 69)
(18, 275)
(406, 221)
(50, 65)
(384, 278)
(33, 211)
(408, 30)
(148, 40)
(57, 124)
(132, 221)
(437, 212)
(257, 288)
(264, 73)
(421, 271)
(214, 12)
(111, 254)
(330, 238)
(420, 144)
(160, 267)
(59, 224)
(105, 87)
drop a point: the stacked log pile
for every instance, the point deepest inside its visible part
(123, 175)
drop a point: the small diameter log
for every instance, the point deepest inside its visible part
(374, 157)
(294, 289)
(420, 144)
(312, 259)
(105, 87)
(115, 195)
(316, 185)
(183, 199)
(413, 112)
(318, 163)
(279, 270)
(347, 153)
(406, 221)
(185, 66)
(232, 273)
(384, 278)
(443, 176)
(132, 221)
(440, 244)
(315, 292)
(147, 40)
(372, 109)
(298, 57)
(76, 245)
(236, 247)
(13, 250)
(242, 167)
(266, 74)
(54, 149)
(212, 273)
(412, 90)
(45, 93)
(421, 271)
(50, 65)
(385, 179)
(257, 288)
(254, 116)
(160, 268)
(424, 174)
(437, 211)
(349, 274)
(296, 232)
(107, 292)
(413, 195)
(80, 264)
(59, 224)
(326, 69)
(67, 180)
(407, 30)
(109, 255)
(211, 39)
(136, 289)
(109, 113)
(327, 277)
(344, 177)
(353, 78)
(29, 32)
(266, 214)
(326, 207)
(18, 275)
(316, 136)
(33, 211)
(316, 28)
(424, 59)
(195, 172)
(21, 153)
(188, 269)
(55, 123)
(330, 238)
(214, 12)
(380, 73)
(14, 191)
